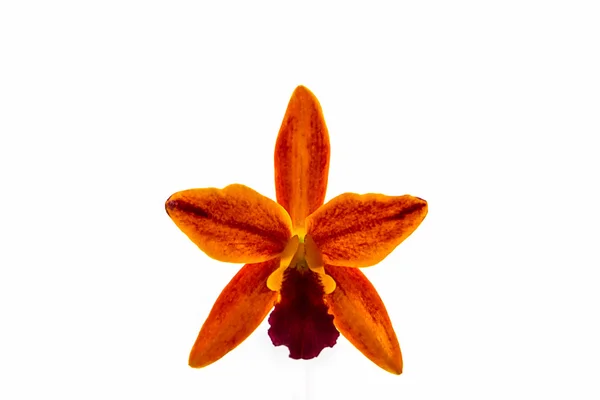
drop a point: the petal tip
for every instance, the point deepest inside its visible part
(421, 201)
(170, 204)
(424, 205)
(394, 368)
(196, 361)
(301, 89)
(303, 94)
(416, 201)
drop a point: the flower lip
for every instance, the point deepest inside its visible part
(301, 320)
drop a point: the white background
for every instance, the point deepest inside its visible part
(488, 110)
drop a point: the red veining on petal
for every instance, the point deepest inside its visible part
(189, 208)
(300, 320)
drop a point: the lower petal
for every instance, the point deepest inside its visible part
(360, 315)
(240, 308)
(301, 320)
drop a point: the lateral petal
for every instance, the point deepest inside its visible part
(302, 157)
(361, 230)
(239, 310)
(234, 224)
(360, 315)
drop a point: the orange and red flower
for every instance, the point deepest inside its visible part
(302, 256)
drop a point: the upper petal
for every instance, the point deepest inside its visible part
(240, 308)
(234, 224)
(360, 315)
(302, 157)
(361, 230)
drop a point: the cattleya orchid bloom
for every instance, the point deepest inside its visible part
(301, 257)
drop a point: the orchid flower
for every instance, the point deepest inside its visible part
(302, 257)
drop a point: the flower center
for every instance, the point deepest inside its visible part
(303, 255)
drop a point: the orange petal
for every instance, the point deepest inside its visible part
(240, 308)
(234, 224)
(361, 230)
(302, 157)
(360, 315)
